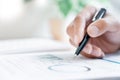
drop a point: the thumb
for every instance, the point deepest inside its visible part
(101, 26)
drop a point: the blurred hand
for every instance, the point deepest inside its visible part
(104, 33)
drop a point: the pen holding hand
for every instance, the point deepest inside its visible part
(100, 14)
(101, 32)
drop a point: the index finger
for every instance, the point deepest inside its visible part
(78, 28)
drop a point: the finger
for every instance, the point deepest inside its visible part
(88, 48)
(88, 13)
(80, 23)
(99, 27)
(70, 31)
(76, 30)
(72, 43)
(79, 29)
(92, 51)
(82, 20)
(97, 52)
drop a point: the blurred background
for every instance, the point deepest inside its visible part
(43, 18)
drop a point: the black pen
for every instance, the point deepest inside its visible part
(100, 14)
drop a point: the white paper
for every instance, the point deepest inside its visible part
(42, 59)
(31, 45)
(113, 58)
(60, 65)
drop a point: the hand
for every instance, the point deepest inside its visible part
(104, 33)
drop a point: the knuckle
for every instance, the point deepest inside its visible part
(70, 32)
(69, 29)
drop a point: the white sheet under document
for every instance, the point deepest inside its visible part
(57, 66)
(31, 45)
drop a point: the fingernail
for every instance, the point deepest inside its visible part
(94, 30)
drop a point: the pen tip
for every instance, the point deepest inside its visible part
(75, 55)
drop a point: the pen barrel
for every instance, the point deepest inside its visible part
(100, 14)
(82, 44)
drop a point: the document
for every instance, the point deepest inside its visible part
(60, 65)
(39, 59)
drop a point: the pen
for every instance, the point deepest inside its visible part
(100, 14)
